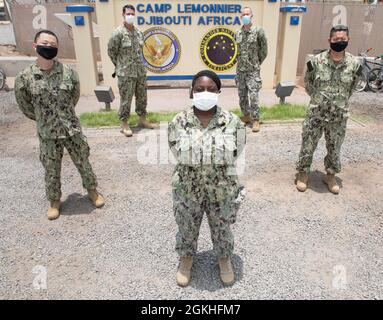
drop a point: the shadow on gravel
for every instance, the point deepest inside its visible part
(76, 204)
(205, 272)
(316, 182)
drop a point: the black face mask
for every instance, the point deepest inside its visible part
(339, 46)
(46, 52)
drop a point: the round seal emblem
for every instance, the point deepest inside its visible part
(162, 50)
(218, 49)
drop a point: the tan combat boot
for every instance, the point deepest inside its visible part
(54, 210)
(144, 123)
(226, 271)
(301, 181)
(96, 198)
(246, 119)
(329, 179)
(256, 126)
(184, 271)
(126, 130)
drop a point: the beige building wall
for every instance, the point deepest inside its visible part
(266, 14)
(270, 24)
(189, 36)
(84, 44)
(28, 19)
(288, 46)
(365, 23)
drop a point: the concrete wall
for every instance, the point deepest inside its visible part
(189, 36)
(365, 23)
(75, 39)
(266, 15)
(7, 35)
(29, 17)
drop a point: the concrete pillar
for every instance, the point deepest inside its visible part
(270, 25)
(84, 46)
(289, 48)
(106, 24)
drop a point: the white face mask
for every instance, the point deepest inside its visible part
(205, 101)
(130, 19)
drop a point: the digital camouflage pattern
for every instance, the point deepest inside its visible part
(248, 85)
(51, 154)
(330, 86)
(252, 51)
(125, 49)
(204, 179)
(49, 98)
(128, 87)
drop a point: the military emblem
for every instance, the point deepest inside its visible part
(162, 50)
(218, 49)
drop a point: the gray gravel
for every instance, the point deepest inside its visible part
(368, 105)
(288, 244)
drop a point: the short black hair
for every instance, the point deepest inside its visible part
(210, 74)
(38, 34)
(339, 27)
(128, 6)
(251, 11)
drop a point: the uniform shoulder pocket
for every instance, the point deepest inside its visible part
(310, 66)
(140, 39)
(68, 79)
(238, 37)
(126, 42)
(66, 85)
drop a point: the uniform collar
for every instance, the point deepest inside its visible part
(40, 73)
(331, 62)
(126, 30)
(219, 118)
(252, 28)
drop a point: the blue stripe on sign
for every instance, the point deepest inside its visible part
(79, 8)
(292, 8)
(187, 77)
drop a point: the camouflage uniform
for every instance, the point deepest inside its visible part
(330, 85)
(124, 49)
(205, 179)
(252, 51)
(49, 99)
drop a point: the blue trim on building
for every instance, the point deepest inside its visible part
(187, 77)
(294, 20)
(293, 9)
(79, 8)
(79, 20)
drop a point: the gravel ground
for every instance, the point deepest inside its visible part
(288, 244)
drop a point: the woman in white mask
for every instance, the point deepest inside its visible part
(206, 142)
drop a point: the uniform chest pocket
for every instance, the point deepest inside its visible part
(347, 77)
(126, 42)
(252, 38)
(39, 88)
(322, 77)
(140, 40)
(66, 86)
(184, 144)
(230, 141)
